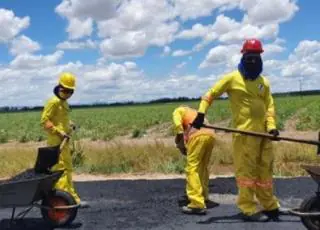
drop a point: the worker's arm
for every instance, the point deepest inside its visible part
(270, 116)
(216, 91)
(46, 118)
(177, 117)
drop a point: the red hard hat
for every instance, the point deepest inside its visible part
(252, 45)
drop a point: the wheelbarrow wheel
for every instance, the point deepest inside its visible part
(311, 204)
(62, 217)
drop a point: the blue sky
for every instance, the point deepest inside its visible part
(140, 50)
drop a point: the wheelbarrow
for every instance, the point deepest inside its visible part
(35, 188)
(309, 210)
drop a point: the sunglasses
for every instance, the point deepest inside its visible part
(67, 91)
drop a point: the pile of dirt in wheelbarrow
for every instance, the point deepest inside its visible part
(28, 174)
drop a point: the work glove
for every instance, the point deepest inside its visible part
(198, 121)
(179, 140)
(275, 133)
(73, 126)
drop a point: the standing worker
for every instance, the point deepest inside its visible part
(55, 120)
(197, 145)
(252, 110)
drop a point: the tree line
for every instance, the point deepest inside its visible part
(6, 109)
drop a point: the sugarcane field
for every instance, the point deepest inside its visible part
(159, 114)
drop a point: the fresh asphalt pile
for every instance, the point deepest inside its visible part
(152, 204)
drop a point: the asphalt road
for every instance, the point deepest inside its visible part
(152, 204)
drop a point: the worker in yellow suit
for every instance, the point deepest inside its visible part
(252, 110)
(55, 120)
(197, 145)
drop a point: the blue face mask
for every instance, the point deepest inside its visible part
(251, 66)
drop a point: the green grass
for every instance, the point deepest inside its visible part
(309, 119)
(134, 120)
(288, 106)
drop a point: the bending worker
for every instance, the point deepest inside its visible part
(197, 145)
(55, 120)
(252, 110)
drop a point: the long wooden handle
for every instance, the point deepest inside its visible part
(63, 143)
(276, 138)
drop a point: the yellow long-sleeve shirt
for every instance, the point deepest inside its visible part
(251, 101)
(55, 118)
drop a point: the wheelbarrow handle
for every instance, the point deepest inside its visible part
(257, 134)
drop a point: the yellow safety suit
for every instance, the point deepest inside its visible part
(199, 144)
(252, 110)
(55, 119)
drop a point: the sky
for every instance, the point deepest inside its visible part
(140, 50)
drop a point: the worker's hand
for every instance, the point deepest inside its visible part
(179, 140)
(198, 121)
(64, 135)
(275, 133)
(73, 126)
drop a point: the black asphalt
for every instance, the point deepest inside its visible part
(152, 204)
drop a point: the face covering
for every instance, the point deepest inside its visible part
(62, 93)
(251, 66)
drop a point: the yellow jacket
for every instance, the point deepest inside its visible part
(183, 116)
(251, 101)
(55, 118)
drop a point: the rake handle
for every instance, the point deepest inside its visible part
(275, 138)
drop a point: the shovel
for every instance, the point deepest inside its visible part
(265, 135)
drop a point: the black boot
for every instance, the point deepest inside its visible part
(183, 201)
(273, 214)
(211, 204)
(257, 217)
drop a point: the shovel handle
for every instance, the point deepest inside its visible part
(63, 143)
(275, 138)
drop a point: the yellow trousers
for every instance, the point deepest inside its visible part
(253, 161)
(65, 182)
(199, 151)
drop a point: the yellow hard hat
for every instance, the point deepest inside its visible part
(67, 80)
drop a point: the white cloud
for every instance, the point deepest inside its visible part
(181, 65)
(95, 9)
(151, 23)
(304, 61)
(26, 61)
(221, 55)
(270, 49)
(179, 53)
(133, 44)
(166, 51)
(260, 12)
(197, 30)
(158, 20)
(72, 45)
(194, 9)
(23, 45)
(79, 28)
(227, 30)
(81, 15)
(11, 25)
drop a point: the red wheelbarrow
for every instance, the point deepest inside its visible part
(35, 188)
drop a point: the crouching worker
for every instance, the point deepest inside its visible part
(197, 146)
(55, 120)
